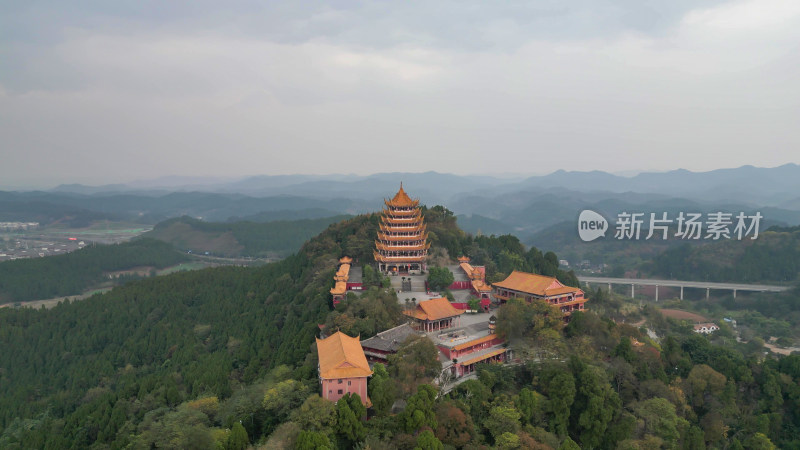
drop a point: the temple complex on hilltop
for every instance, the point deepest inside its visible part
(529, 286)
(434, 314)
(343, 368)
(402, 243)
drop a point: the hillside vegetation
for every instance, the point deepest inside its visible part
(75, 272)
(773, 257)
(271, 239)
(225, 357)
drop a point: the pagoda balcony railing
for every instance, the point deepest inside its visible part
(400, 254)
(404, 218)
(405, 225)
(396, 245)
(400, 214)
(402, 258)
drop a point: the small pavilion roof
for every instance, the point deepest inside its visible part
(341, 356)
(345, 260)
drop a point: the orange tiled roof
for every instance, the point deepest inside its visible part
(480, 286)
(474, 342)
(471, 272)
(533, 284)
(422, 254)
(560, 290)
(463, 259)
(345, 260)
(434, 309)
(401, 213)
(394, 228)
(341, 356)
(402, 199)
(343, 274)
(483, 357)
(339, 288)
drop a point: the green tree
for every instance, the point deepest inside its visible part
(348, 424)
(507, 441)
(561, 394)
(237, 439)
(283, 398)
(354, 401)
(531, 405)
(694, 439)
(518, 318)
(439, 278)
(759, 441)
(382, 389)
(502, 419)
(427, 441)
(568, 444)
(625, 350)
(659, 418)
(312, 440)
(315, 414)
(419, 410)
(595, 405)
(416, 362)
(703, 382)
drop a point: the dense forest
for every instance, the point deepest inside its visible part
(277, 238)
(75, 272)
(773, 257)
(225, 358)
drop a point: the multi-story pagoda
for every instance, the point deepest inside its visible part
(402, 243)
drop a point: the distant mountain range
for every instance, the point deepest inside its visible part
(777, 186)
(493, 205)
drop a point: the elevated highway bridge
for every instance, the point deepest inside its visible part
(633, 282)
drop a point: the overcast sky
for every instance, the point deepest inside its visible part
(111, 91)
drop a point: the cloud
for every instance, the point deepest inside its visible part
(300, 87)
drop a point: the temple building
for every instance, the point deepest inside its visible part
(379, 347)
(343, 368)
(529, 286)
(434, 315)
(402, 243)
(340, 279)
(477, 278)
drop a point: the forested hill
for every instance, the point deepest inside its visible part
(116, 368)
(90, 371)
(232, 239)
(773, 257)
(75, 272)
